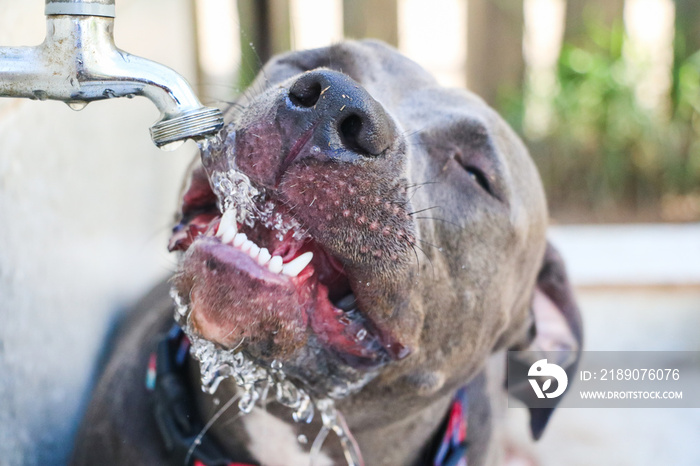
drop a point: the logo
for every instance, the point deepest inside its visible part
(543, 369)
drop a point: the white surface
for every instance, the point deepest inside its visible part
(660, 254)
(86, 201)
(627, 320)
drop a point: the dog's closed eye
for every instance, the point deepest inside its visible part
(477, 175)
(480, 175)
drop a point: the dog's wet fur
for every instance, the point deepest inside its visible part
(429, 209)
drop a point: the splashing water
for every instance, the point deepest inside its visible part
(234, 190)
(256, 383)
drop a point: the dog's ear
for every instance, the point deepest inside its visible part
(556, 330)
(556, 315)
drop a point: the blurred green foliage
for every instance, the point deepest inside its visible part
(605, 155)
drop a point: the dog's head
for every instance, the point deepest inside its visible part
(424, 213)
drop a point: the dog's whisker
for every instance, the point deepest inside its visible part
(231, 103)
(232, 107)
(231, 333)
(438, 219)
(437, 248)
(233, 419)
(414, 188)
(217, 101)
(421, 184)
(430, 261)
(424, 210)
(410, 133)
(208, 426)
(238, 345)
(260, 64)
(417, 142)
(415, 253)
(410, 198)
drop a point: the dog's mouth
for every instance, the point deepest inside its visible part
(265, 284)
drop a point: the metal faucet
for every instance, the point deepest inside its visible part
(78, 63)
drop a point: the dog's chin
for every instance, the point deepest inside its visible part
(264, 296)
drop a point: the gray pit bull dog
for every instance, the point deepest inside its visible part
(426, 219)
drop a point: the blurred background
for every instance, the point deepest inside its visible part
(606, 94)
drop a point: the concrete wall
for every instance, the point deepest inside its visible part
(85, 207)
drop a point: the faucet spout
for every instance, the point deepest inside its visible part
(79, 63)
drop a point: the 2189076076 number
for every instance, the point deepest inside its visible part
(640, 374)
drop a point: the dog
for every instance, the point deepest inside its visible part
(422, 258)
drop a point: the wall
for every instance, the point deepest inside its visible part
(85, 207)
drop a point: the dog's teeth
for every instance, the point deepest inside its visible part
(297, 265)
(264, 256)
(254, 251)
(245, 247)
(275, 264)
(228, 235)
(239, 239)
(227, 226)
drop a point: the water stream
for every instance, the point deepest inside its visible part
(256, 382)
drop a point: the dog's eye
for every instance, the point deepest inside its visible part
(479, 176)
(476, 166)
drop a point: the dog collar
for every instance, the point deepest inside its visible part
(180, 428)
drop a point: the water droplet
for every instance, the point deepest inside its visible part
(247, 401)
(210, 386)
(77, 105)
(171, 146)
(305, 411)
(287, 394)
(110, 94)
(315, 150)
(276, 365)
(361, 334)
(302, 439)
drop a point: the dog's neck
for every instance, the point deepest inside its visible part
(404, 441)
(270, 437)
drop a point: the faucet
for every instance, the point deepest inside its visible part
(78, 63)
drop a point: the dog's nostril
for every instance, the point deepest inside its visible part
(305, 93)
(350, 128)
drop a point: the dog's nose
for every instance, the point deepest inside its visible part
(341, 112)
